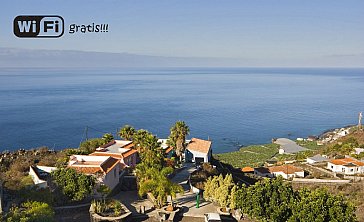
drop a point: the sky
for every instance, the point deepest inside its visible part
(279, 32)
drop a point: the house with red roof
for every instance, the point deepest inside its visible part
(106, 169)
(198, 151)
(286, 171)
(347, 166)
(123, 150)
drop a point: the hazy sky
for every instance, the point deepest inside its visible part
(294, 31)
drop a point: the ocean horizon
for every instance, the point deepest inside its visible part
(233, 107)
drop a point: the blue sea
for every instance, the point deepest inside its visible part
(230, 106)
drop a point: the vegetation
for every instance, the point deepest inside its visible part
(199, 177)
(76, 186)
(177, 137)
(344, 147)
(89, 146)
(156, 182)
(152, 171)
(107, 137)
(108, 208)
(127, 132)
(221, 190)
(274, 200)
(254, 155)
(31, 211)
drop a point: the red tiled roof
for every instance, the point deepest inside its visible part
(108, 144)
(109, 164)
(114, 155)
(105, 167)
(169, 149)
(129, 152)
(346, 161)
(287, 169)
(247, 169)
(199, 145)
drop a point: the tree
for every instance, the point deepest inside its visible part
(107, 137)
(178, 134)
(321, 206)
(76, 186)
(90, 145)
(219, 189)
(156, 182)
(31, 211)
(127, 132)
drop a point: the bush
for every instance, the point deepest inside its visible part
(31, 211)
(76, 186)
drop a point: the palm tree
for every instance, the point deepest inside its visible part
(178, 136)
(107, 137)
(156, 182)
(127, 132)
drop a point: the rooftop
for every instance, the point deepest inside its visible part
(347, 162)
(199, 145)
(287, 169)
(92, 164)
(318, 158)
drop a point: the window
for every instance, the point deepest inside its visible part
(351, 170)
(343, 169)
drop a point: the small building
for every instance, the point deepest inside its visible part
(312, 138)
(41, 175)
(316, 159)
(358, 151)
(347, 166)
(122, 150)
(198, 151)
(247, 169)
(262, 171)
(286, 171)
(105, 168)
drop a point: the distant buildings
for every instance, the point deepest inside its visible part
(286, 171)
(105, 168)
(347, 166)
(198, 151)
(316, 159)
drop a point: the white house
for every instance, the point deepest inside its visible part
(348, 166)
(316, 159)
(122, 150)
(105, 168)
(40, 175)
(286, 171)
(198, 151)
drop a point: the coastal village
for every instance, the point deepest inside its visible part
(139, 177)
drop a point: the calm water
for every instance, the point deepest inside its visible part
(232, 107)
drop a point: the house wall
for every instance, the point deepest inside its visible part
(310, 161)
(345, 170)
(111, 179)
(300, 174)
(199, 155)
(131, 160)
(263, 174)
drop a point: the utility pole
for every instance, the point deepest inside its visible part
(359, 122)
(86, 131)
